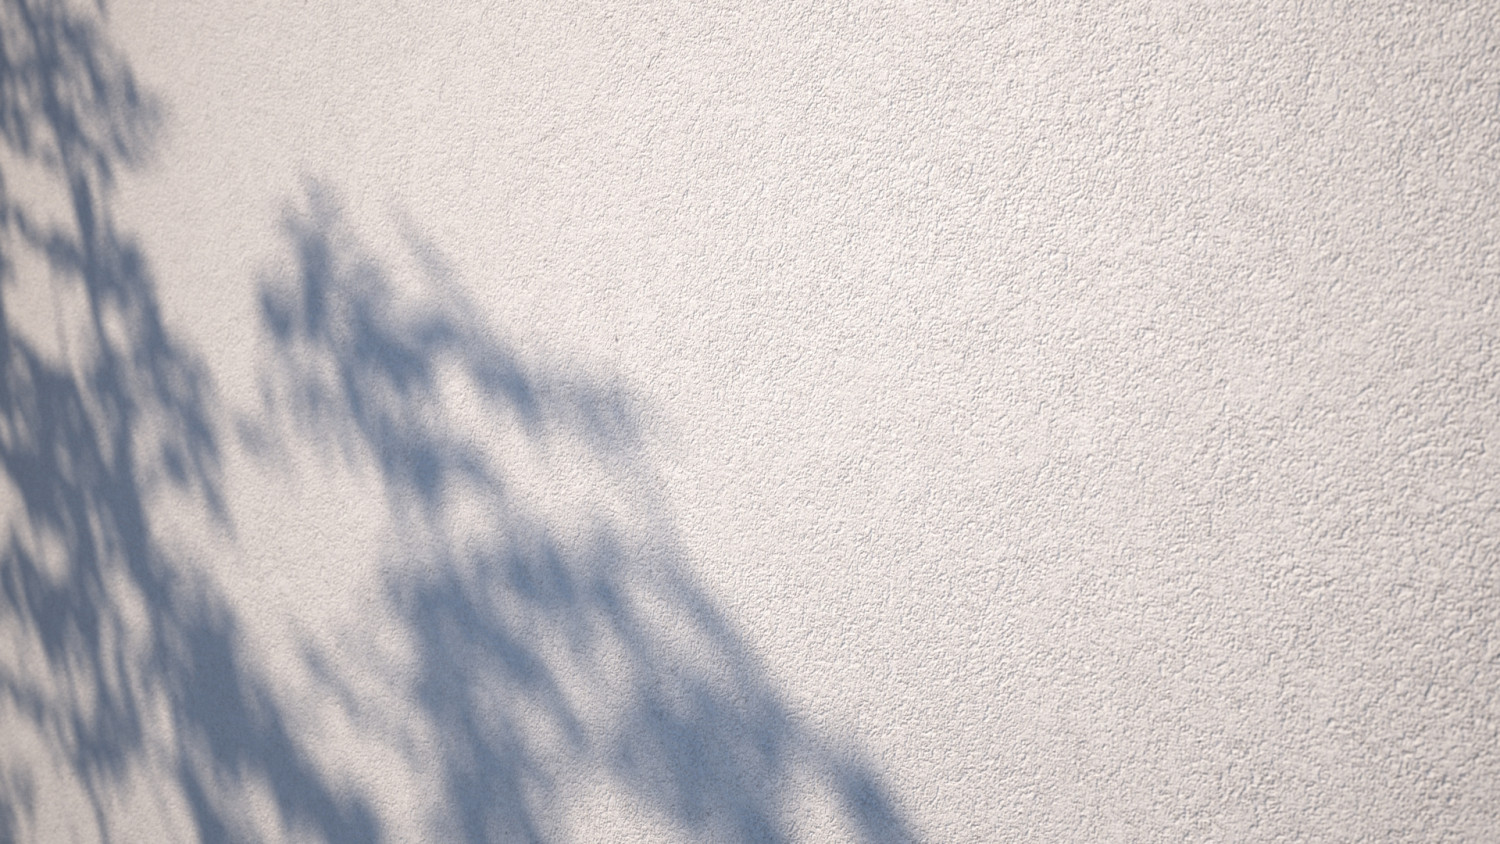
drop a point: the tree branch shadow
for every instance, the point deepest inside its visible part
(605, 640)
(122, 665)
(545, 651)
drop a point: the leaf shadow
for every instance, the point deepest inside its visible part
(545, 651)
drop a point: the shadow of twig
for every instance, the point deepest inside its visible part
(122, 666)
(542, 657)
(548, 651)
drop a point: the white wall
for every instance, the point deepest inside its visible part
(658, 421)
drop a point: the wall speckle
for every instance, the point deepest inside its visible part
(881, 422)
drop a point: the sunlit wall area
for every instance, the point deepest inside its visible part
(796, 422)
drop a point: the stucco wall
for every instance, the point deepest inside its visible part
(661, 421)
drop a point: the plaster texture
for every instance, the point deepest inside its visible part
(600, 421)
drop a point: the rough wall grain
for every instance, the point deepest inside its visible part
(881, 422)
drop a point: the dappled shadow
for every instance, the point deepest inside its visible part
(545, 653)
(556, 648)
(121, 672)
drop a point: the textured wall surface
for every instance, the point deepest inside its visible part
(604, 421)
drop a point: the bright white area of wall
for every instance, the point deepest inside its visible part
(1085, 419)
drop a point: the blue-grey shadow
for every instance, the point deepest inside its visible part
(125, 423)
(698, 733)
(90, 442)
